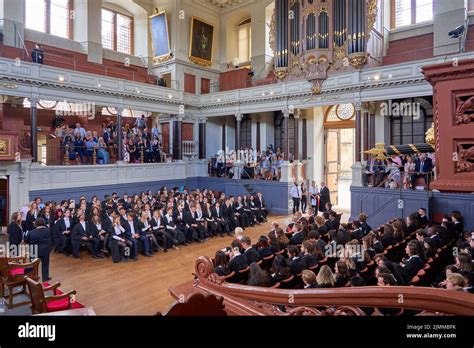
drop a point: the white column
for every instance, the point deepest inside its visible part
(87, 28)
(286, 172)
(12, 16)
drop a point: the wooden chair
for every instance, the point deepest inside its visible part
(47, 304)
(12, 275)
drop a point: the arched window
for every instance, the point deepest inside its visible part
(50, 16)
(117, 31)
(244, 44)
(407, 12)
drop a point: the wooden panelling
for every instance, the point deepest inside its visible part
(187, 131)
(234, 79)
(205, 86)
(165, 134)
(189, 83)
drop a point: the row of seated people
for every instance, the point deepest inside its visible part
(258, 165)
(120, 226)
(411, 252)
(400, 171)
(140, 145)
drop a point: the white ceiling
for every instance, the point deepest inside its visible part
(223, 5)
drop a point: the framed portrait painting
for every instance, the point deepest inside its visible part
(201, 42)
(160, 37)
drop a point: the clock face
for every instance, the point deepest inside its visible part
(345, 112)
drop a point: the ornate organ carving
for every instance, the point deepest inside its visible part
(313, 37)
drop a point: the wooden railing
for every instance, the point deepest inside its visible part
(247, 300)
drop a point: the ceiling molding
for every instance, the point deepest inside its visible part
(222, 6)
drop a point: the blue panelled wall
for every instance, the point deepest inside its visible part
(382, 205)
(275, 194)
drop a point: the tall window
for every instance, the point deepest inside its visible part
(246, 132)
(244, 43)
(407, 12)
(49, 16)
(117, 31)
(406, 129)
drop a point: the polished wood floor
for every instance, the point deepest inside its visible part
(136, 288)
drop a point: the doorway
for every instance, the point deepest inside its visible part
(339, 161)
(332, 163)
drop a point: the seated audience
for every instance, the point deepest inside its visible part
(259, 277)
(325, 278)
(309, 279)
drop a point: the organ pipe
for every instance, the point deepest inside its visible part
(308, 25)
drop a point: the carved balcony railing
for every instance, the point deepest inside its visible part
(190, 149)
(247, 300)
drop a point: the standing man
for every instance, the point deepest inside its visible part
(295, 193)
(140, 123)
(324, 197)
(41, 237)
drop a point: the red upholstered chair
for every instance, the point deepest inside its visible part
(267, 262)
(12, 275)
(289, 283)
(47, 304)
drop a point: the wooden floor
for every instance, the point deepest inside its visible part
(136, 288)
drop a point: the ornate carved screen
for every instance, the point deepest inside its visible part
(312, 37)
(454, 124)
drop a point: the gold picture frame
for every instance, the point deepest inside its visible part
(200, 45)
(5, 147)
(158, 28)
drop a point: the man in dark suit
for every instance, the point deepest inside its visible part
(297, 237)
(192, 225)
(414, 262)
(324, 197)
(172, 228)
(363, 224)
(295, 261)
(158, 227)
(423, 218)
(41, 238)
(423, 167)
(357, 232)
(182, 227)
(260, 203)
(218, 214)
(64, 232)
(81, 235)
(237, 260)
(230, 217)
(250, 253)
(132, 231)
